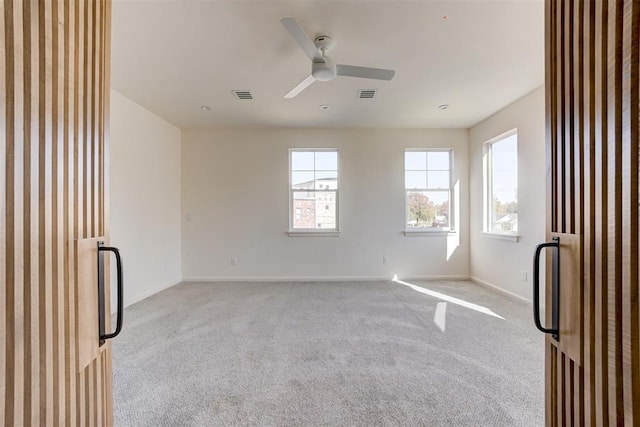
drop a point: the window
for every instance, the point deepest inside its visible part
(313, 188)
(427, 183)
(501, 184)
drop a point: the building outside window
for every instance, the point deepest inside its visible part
(313, 189)
(501, 184)
(427, 189)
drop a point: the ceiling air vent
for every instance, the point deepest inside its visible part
(242, 95)
(366, 93)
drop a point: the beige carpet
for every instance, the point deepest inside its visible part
(338, 353)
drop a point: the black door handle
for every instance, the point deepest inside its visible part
(101, 302)
(555, 294)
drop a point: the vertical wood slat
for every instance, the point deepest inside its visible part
(601, 242)
(104, 199)
(86, 189)
(630, 209)
(578, 132)
(95, 49)
(52, 86)
(16, 187)
(568, 120)
(630, 151)
(3, 199)
(77, 187)
(59, 338)
(78, 184)
(8, 88)
(43, 188)
(44, 210)
(588, 196)
(85, 95)
(559, 99)
(551, 413)
(69, 217)
(31, 125)
(630, 104)
(613, 208)
(56, 227)
(570, 390)
(551, 214)
(560, 386)
(593, 114)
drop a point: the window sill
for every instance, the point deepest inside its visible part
(434, 233)
(298, 233)
(502, 236)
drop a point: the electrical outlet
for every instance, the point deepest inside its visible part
(385, 260)
(234, 260)
(524, 276)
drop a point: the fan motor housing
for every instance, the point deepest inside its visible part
(323, 43)
(324, 71)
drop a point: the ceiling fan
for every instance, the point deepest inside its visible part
(324, 68)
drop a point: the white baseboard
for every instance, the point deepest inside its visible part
(453, 278)
(313, 278)
(499, 289)
(142, 295)
(280, 278)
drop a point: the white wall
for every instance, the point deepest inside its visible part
(235, 204)
(145, 198)
(497, 262)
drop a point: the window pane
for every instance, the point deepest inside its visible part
(413, 179)
(327, 160)
(427, 209)
(304, 209)
(326, 180)
(438, 160)
(438, 179)
(415, 160)
(504, 188)
(314, 210)
(326, 209)
(302, 160)
(302, 179)
(505, 217)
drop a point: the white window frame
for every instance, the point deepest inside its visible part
(324, 232)
(487, 189)
(419, 231)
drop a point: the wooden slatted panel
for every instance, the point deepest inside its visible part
(593, 128)
(54, 77)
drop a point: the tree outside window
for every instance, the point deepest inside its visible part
(428, 189)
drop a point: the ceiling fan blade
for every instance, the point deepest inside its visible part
(364, 72)
(303, 40)
(301, 86)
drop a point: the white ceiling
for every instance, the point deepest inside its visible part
(172, 57)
